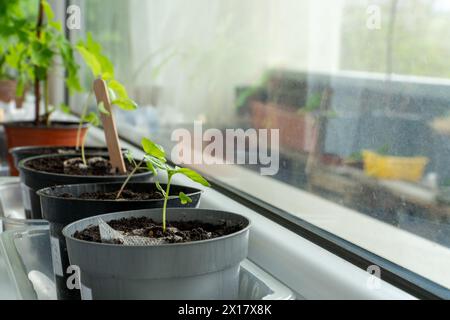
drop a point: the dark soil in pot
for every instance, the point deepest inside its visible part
(20, 153)
(126, 194)
(203, 269)
(73, 165)
(62, 205)
(52, 170)
(176, 231)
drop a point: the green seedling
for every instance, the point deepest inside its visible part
(100, 67)
(155, 161)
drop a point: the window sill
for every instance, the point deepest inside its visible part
(311, 271)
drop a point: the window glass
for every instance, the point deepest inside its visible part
(343, 105)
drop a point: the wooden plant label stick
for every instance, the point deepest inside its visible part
(109, 126)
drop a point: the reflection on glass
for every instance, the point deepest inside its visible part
(358, 89)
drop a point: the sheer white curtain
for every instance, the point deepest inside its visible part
(197, 52)
(188, 57)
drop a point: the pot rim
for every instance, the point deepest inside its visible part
(164, 245)
(62, 125)
(21, 166)
(41, 192)
(20, 148)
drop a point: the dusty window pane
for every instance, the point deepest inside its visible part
(359, 91)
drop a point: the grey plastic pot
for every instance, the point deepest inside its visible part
(34, 180)
(60, 211)
(207, 269)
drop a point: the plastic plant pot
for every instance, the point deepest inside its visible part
(60, 211)
(207, 269)
(20, 153)
(34, 180)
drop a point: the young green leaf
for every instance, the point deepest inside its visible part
(92, 45)
(153, 149)
(65, 108)
(118, 88)
(125, 104)
(194, 176)
(92, 118)
(106, 66)
(151, 167)
(48, 10)
(184, 198)
(56, 25)
(90, 60)
(112, 94)
(157, 163)
(129, 156)
(102, 109)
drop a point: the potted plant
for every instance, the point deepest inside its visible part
(32, 57)
(101, 68)
(160, 253)
(61, 169)
(12, 15)
(62, 205)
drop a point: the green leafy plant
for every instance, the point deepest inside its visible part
(14, 14)
(34, 53)
(155, 161)
(101, 68)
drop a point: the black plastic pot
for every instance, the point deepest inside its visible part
(33, 180)
(20, 153)
(61, 211)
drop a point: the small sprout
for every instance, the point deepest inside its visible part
(184, 198)
(129, 156)
(101, 67)
(155, 159)
(91, 118)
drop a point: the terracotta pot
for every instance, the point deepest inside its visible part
(8, 92)
(297, 131)
(27, 134)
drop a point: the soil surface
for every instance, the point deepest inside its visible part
(125, 195)
(96, 166)
(176, 231)
(63, 150)
(43, 125)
